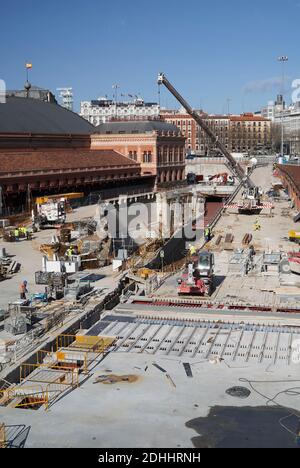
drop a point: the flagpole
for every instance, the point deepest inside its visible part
(28, 66)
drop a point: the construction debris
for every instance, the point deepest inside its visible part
(112, 379)
(238, 392)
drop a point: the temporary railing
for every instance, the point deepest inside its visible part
(49, 373)
(95, 344)
(24, 397)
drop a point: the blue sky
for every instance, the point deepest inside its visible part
(210, 51)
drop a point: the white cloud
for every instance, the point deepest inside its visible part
(262, 86)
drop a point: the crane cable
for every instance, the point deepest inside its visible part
(292, 391)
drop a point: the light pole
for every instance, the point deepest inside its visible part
(283, 59)
(116, 87)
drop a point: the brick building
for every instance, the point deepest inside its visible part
(46, 149)
(290, 176)
(159, 147)
(239, 133)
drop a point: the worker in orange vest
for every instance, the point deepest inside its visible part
(23, 290)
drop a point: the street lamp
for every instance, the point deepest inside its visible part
(116, 87)
(283, 59)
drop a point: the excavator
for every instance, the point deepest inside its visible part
(250, 203)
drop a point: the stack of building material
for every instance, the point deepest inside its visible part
(229, 238)
(74, 291)
(238, 261)
(270, 263)
(7, 265)
(16, 324)
(247, 239)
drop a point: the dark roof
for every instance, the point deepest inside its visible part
(21, 115)
(28, 161)
(136, 126)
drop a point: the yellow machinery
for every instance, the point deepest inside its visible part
(294, 236)
(51, 209)
(144, 273)
(64, 196)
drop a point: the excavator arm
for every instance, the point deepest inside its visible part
(234, 165)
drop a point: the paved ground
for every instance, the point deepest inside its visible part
(150, 412)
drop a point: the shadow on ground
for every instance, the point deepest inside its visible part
(246, 427)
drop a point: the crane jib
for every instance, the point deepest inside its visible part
(235, 166)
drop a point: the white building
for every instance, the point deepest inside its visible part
(291, 124)
(104, 110)
(289, 116)
(273, 108)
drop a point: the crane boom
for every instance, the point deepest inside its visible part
(235, 166)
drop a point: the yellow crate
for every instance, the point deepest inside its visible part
(95, 342)
(60, 356)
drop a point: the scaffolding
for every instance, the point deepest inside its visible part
(55, 372)
(2, 436)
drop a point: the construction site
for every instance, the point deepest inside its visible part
(152, 338)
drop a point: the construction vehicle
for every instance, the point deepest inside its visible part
(222, 179)
(294, 262)
(193, 178)
(247, 205)
(294, 236)
(198, 277)
(51, 210)
(290, 263)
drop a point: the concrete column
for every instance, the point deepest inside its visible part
(163, 215)
(178, 214)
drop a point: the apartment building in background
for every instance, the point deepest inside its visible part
(105, 110)
(289, 117)
(238, 133)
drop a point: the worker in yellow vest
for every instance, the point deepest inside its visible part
(192, 250)
(17, 234)
(69, 252)
(257, 226)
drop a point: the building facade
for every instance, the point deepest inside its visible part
(157, 146)
(290, 176)
(288, 117)
(272, 109)
(46, 149)
(238, 133)
(104, 110)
